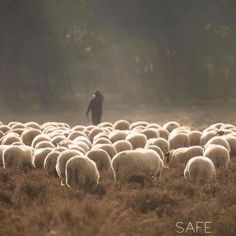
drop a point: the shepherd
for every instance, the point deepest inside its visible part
(95, 106)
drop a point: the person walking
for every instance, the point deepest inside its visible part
(95, 107)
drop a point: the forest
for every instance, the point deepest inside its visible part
(149, 52)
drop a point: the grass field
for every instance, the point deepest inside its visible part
(34, 203)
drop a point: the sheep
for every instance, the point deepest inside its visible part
(163, 133)
(18, 131)
(138, 124)
(207, 135)
(102, 141)
(171, 125)
(153, 126)
(122, 145)
(16, 124)
(81, 173)
(59, 149)
(105, 125)
(137, 165)
(101, 135)
(121, 125)
(61, 162)
(157, 150)
(75, 147)
(218, 154)
(182, 155)
(159, 142)
(4, 128)
(93, 132)
(101, 158)
(17, 157)
(28, 135)
(1, 134)
(2, 148)
(180, 130)
(194, 138)
(10, 138)
(200, 169)
(39, 156)
(50, 162)
(44, 144)
(82, 145)
(178, 140)
(57, 139)
(137, 140)
(219, 141)
(78, 128)
(74, 134)
(109, 148)
(118, 135)
(32, 124)
(151, 133)
(232, 143)
(39, 138)
(83, 139)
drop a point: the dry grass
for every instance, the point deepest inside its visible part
(34, 203)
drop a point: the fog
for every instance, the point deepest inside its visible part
(137, 52)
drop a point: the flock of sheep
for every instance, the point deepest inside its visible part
(81, 156)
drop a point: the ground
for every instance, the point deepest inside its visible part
(34, 203)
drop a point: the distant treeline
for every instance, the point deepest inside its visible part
(152, 50)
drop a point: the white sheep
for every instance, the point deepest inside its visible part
(163, 133)
(93, 132)
(182, 155)
(207, 135)
(162, 143)
(138, 124)
(102, 141)
(153, 126)
(57, 139)
(137, 165)
(10, 138)
(157, 150)
(32, 124)
(4, 128)
(101, 158)
(220, 141)
(117, 135)
(137, 140)
(105, 124)
(39, 138)
(50, 162)
(44, 144)
(194, 137)
(74, 134)
(200, 170)
(218, 154)
(231, 139)
(121, 125)
(78, 128)
(109, 148)
(122, 145)
(39, 156)
(178, 140)
(171, 125)
(2, 148)
(61, 162)
(151, 133)
(81, 173)
(17, 157)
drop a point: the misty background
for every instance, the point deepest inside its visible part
(56, 52)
